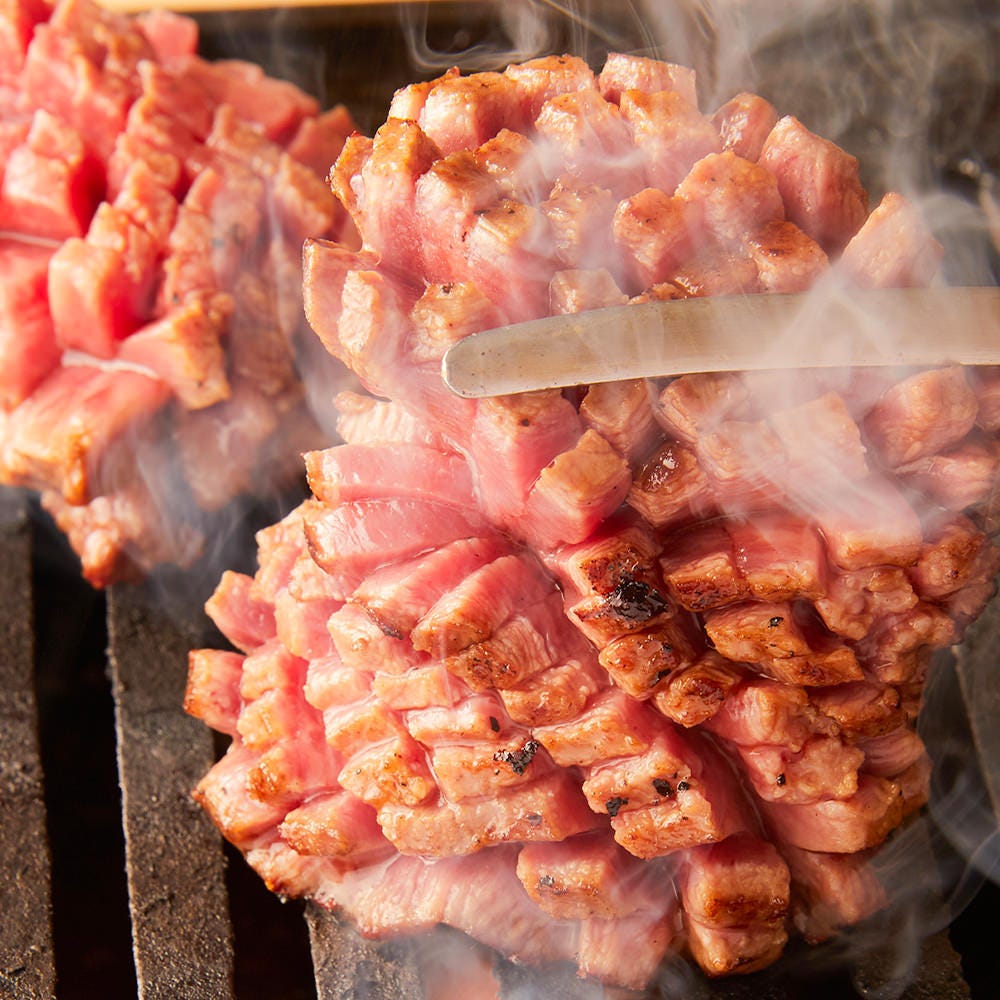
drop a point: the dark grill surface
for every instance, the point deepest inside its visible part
(114, 883)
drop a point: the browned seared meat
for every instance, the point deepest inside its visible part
(152, 211)
(646, 656)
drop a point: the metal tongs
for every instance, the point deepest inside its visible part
(915, 327)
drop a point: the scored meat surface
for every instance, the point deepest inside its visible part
(152, 211)
(629, 671)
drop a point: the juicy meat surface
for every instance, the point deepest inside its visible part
(626, 670)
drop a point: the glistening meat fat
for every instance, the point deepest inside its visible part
(624, 672)
(152, 212)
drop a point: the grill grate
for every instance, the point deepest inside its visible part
(182, 901)
(27, 964)
(182, 939)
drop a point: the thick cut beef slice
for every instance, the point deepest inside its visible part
(621, 670)
(159, 189)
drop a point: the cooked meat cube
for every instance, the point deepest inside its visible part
(472, 770)
(960, 478)
(463, 112)
(818, 182)
(449, 196)
(212, 693)
(669, 133)
(592, 736)
(839, 826)
(515, 437)
(922, 415)
(724, 950)
(510, 250)
(691, 695)
(225, 795)
(649, 76)
(893, 249)
(763, 711)
(779, 558)
(730, 196)
(704, 809)
(898, 647)
(185, 349)
(825, 768)
(640, 941)
(744, 123)
(639, 661)
(955, 554)
(716, 270)
(740, 881)
(363, 643)
(336, 825)
(391, 774)
(386, 210)
(549, 808)
(653, 233)
(28, 349)
(834, 890)
(986, 383)
(588, 876)
(577, 291)
(351, 540)
(399, 595)
(671, 488)
(822, 442)
(301, 623)
(446, 313)
(769, 635)
(556, 694)
(580, 217)
(860, 708)
(480, 715)
(42, 447)
(692, 405)
(51, 186)
(543, 78)
(853, 600)
(359, 472)
(701, 570)
(869, 523)
(531, 640)
(743, 460)
(576, 491)
(891, 754)
(477, 606)
(419, 687)
(589, 138)
(786, 259)
(622, 413)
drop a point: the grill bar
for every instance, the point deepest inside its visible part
(27, 961)
(347, 966)
(181, 932)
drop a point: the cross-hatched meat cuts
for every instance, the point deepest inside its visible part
(637, 662)
(152, 211)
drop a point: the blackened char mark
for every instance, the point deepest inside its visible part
(636, 601)
(518, 759)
